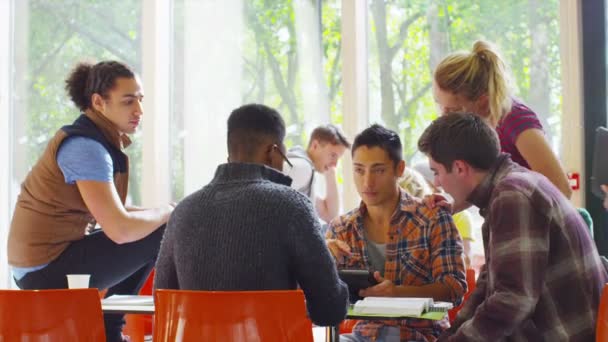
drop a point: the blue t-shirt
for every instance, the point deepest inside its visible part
(79, 158)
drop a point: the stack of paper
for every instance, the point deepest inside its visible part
(412, 307)
(128, 300)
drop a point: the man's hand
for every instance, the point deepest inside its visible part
(339, 249)
(328, 207)
(385, 288)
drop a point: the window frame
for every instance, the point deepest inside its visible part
(157, 36)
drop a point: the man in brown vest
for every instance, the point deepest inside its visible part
(81, 179)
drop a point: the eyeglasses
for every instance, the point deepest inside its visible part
(276, 147)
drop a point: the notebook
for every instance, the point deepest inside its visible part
(410, 307)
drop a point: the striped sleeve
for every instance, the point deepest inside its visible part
(519, 120)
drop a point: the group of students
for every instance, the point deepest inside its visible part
(249, 229)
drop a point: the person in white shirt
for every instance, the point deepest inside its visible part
(326, 146)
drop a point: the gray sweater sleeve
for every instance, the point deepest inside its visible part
(166, 275)
(326, 295)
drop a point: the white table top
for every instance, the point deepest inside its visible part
(128, 304)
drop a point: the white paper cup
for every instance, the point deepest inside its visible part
(78, 281)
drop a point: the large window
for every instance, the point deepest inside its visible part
(310, 59)
(409, 38)
(49, 38)
(284, 53)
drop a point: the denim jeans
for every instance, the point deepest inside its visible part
(122, 269)
(385, 334)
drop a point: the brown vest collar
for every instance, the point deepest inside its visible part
(108, 129)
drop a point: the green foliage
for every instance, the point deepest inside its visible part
(272, 74)
(331, 41)
(520, 28)
(60, 34)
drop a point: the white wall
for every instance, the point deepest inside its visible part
(572, 146)
(355, 103)
(157, 27)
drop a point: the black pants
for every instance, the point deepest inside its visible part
(122, 269)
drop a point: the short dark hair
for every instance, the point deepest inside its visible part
(379, 136)
(251, 125)
(329, 134)
(87, 79)
(460, 136)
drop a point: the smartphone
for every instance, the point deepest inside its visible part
(357, 279)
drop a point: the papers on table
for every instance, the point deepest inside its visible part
(411, 307)
(128, 300)
(128, 304)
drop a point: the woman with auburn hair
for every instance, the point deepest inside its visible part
(478, 82)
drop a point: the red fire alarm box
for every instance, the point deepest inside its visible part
(574, 179)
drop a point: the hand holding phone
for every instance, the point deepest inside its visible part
(357, 279)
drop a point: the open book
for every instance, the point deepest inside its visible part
(410, 307)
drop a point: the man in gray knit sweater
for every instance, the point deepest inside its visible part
(248, 230)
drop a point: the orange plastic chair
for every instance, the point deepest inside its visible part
(134, 327)
(231, 316)
(347, 325)
(138, 326)
(471, 281)
(134, 323)
(147, 290)
(601, 329)
(51, 315)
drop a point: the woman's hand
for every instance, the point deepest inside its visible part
(438, 200)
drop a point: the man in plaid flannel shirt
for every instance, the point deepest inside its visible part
(414, 250)
(543, 277)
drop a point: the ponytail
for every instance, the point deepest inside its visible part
(87, 79)
(76, 84)
(473, 74)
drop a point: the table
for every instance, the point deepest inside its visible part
(145, 305)
(128, 305)
(332, 334)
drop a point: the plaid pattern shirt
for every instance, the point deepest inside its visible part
(423, 248)
(543, 276)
